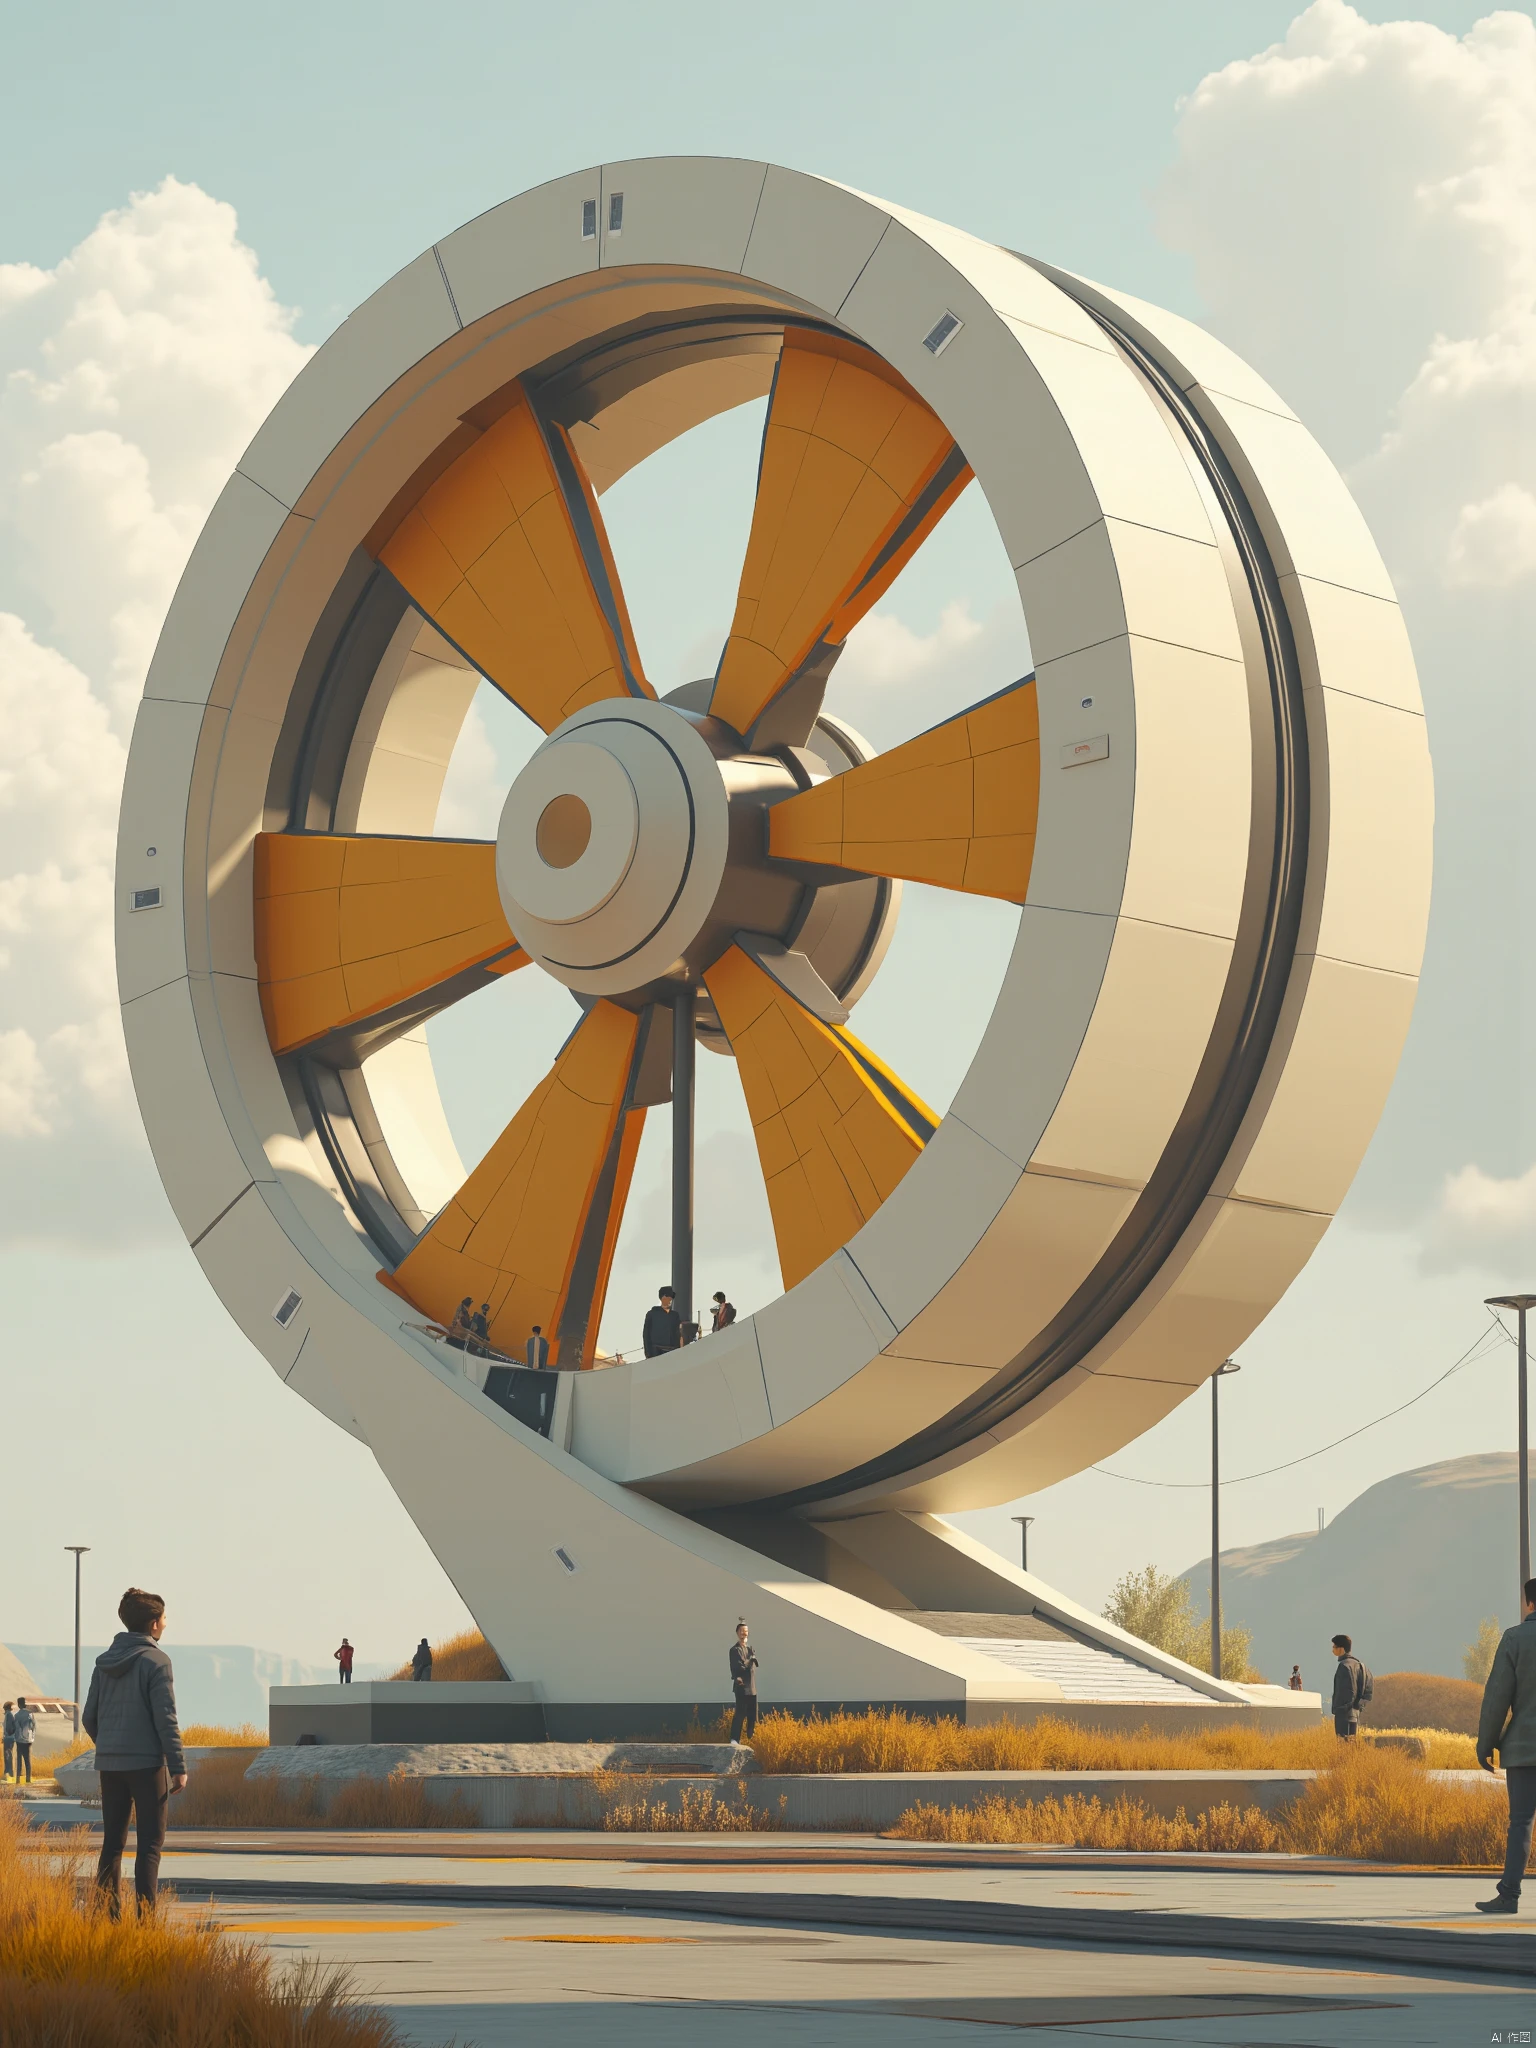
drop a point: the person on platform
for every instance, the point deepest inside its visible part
(1351, 1689)
(663, 1325)
(10, 1738)
(343, 1658)
(1296, 1685)
(1508, 1724)
(462, 1327)
(743, 1686)
(480, 1331)
(724, 1315)
(130, 1715)
(26, 1729)
(537, 1353)
(421, 1663)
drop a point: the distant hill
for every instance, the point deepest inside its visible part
(16, 1681)
(1408, 1570)
(220, 1682)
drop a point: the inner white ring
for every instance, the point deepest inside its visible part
(554, 895)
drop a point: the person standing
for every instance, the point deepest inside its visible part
(343, 1658)
(724, 1315)
(1296, 1685)
(1508, 1724)
(26, 1728)
(130, 1715)
(462, 1326)
(479, 1345)
(663, 1326)
(421, 1663)
(743, 1686)
(1351, 1689)
(537, 1354)
(10, 1738)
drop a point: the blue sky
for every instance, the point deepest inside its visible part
(346, 139)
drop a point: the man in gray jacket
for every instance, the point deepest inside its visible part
(130, 1715)
(1508, 1724)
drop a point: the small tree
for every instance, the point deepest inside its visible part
(1477, 1657)
(1156, 1607)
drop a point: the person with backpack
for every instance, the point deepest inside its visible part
(1352, 1689)
(26, 1729)
(421, 1663)
(130, 1715)
(1508, 1724)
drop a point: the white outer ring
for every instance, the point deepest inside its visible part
(1133, 897)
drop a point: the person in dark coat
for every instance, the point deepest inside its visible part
(743, 1686)
(130, 1715)
(536, 1352)
(480, 1331)
(1348, 1689)
(724, 1314)
(1508, 1724)
(421, 1663)
(663, 1326)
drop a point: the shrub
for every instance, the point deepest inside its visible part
(1421, 1699)
(221, 1796)
(1371, 1804)
(71, 1976)
(212, 1735)
(1156, 1608)
(699, 1812)
(1477, 1657)
(464, 1659)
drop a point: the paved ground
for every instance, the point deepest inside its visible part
(668, 1942)
(541, 1978)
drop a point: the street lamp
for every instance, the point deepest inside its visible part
(1520, 1303)
(79, 1549)
(1227, 1365)
(1023, 1522)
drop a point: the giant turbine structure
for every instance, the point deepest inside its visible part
(1210, 802)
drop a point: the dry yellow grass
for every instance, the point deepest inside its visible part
(628, 1810)
(221, 1796)
(1370, 1804)
(905, 1742)
(212, 1735)
(465, 1659)
(71, 1977)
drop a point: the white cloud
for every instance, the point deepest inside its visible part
(893, 681)
(131, 377)
(1483, 1223)
(1493, 543)
(1360, 204)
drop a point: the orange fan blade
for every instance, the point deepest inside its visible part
(836, 1131)
(956, 806)
(856, 472)
(532, 1230)
(351, 930)
(507, 555)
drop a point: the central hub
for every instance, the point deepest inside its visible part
(612, 846)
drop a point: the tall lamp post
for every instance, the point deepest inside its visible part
(1226, 1366)
(79, 1549)
(1023, 1522)
(1520, 1303)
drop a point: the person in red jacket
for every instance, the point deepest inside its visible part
(343, 1658)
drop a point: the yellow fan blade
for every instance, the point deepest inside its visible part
(507, 555)
(836, 1131)
(348, 929)
(957, 806)
(856, 472)
(532, 1230)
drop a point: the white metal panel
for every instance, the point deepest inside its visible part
(520, 246)
(694, 210)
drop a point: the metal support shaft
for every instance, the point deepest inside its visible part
(78, 1549)
(684, 1048)
(1216, 1525)
(1521, 1304)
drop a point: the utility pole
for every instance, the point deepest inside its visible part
(1227, 1365)
(79, 1549)
(1023, 1522)
(1520, 1303)
(684, 1046)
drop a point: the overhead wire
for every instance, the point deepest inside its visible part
(1473, 1352)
